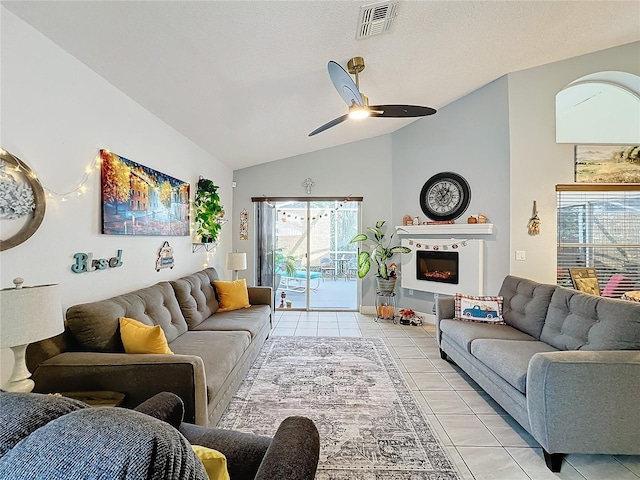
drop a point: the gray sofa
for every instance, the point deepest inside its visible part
(213, 350)
(566, 365)
(48, 437)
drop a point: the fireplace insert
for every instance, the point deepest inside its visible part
(436, 266)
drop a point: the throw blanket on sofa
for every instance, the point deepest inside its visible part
(43, 441)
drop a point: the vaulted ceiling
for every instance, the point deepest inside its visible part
(247, 80)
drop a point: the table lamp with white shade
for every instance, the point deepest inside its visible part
(27, 315)
(236, 261)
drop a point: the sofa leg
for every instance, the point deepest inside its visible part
(443, 355)
(553, 460)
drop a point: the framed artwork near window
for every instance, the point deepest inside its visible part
(607, 163)
(585, 280)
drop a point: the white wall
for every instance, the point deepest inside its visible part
(538, 163)
(358, 169)
(470, 137)
(56, 114)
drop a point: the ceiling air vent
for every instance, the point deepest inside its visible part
(376, 18)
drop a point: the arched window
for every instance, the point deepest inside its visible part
(600, 108)
(599, 223)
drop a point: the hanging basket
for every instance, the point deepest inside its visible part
(386, 287)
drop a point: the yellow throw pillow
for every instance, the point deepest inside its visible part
(232, 295)
(140, 338)
(215, 463)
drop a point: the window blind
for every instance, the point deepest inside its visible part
(599, 226)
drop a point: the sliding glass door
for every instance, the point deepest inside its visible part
(314, 261)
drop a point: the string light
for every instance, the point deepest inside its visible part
(79, 190)
(442, 246)
(284, 215)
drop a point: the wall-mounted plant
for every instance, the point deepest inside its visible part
(208, 211)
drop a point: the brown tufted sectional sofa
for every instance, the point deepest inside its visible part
(213, 350)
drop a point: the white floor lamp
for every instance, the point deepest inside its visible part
(27, 315)
(236, 261)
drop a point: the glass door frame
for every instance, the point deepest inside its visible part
(307, 258)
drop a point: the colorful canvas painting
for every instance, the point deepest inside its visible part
(138, 200)
(607, 163)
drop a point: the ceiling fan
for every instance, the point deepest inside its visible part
(358, 103)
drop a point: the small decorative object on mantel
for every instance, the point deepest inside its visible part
(409, 317)
(407, 220)
(165, 257)
(534, 223)
(472, 219)
(439, 222)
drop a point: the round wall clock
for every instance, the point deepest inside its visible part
(445, 196)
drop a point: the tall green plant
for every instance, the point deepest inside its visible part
(208, 210)
(286, 264)
(381, 250)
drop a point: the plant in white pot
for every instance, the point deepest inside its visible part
(382, 251)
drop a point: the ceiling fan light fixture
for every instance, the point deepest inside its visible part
(356, 112)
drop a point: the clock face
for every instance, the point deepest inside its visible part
(445, 196)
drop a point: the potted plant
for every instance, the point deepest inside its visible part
(208, 211)
(381, 252)
(286, 264)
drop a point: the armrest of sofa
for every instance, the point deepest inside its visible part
(261, 296)
(585, 401)
(293, 453)
(445, 308)
(244, 451)
(138, 376)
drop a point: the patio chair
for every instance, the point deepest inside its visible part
(585, 280)
(327, 268)
(352, 269)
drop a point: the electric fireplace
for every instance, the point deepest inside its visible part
(437, 266)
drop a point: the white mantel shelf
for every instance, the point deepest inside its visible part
(448, 229)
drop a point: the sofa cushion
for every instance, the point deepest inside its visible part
(509, 358)
(578, 321)
(140, 338)
(463, 333)
(103, 443)
(469, 308)
(525, 304)
(220, 353)
(215, 463)
(252, 320)
(196, 296)
(23, 413)
(95, 325)
(232, 295)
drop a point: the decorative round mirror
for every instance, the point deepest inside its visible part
(22, 201)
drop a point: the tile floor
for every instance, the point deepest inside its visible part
(482, 439)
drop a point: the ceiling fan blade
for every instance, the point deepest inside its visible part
(344, 84)
(399, 111)
(330, 124)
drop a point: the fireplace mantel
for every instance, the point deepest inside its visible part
(452, 228)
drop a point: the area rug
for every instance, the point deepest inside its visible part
(370, 424)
